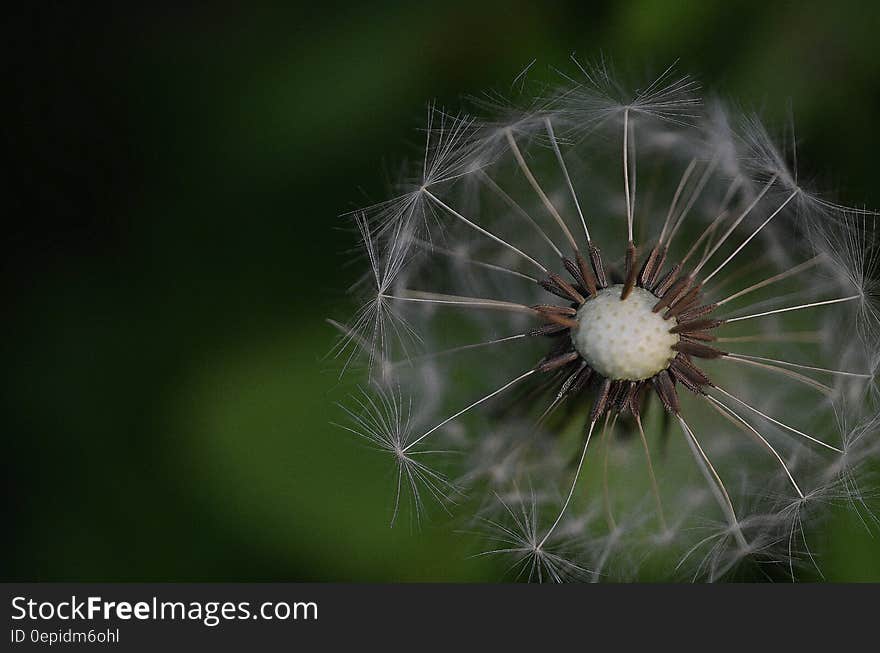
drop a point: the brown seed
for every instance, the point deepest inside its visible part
(696, 325)
(665, 388)
(558, 361)
(601, 401)
(697, 349)
(648, 267)
(556, 318)
(702, 335)
(567, 288)
(586, 274)
(698, 312)
(630, 282)
(689, 300)
(666, 282)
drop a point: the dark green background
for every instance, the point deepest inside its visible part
(172, 250)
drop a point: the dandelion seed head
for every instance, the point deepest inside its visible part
(625, 299)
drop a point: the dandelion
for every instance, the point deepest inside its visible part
(627, 302)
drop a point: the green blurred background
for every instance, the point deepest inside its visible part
(173, 249)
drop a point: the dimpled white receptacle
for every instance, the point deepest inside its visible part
(624, 339)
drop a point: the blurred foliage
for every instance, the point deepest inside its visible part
(175, 249)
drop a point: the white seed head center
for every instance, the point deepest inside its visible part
(624, 339)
